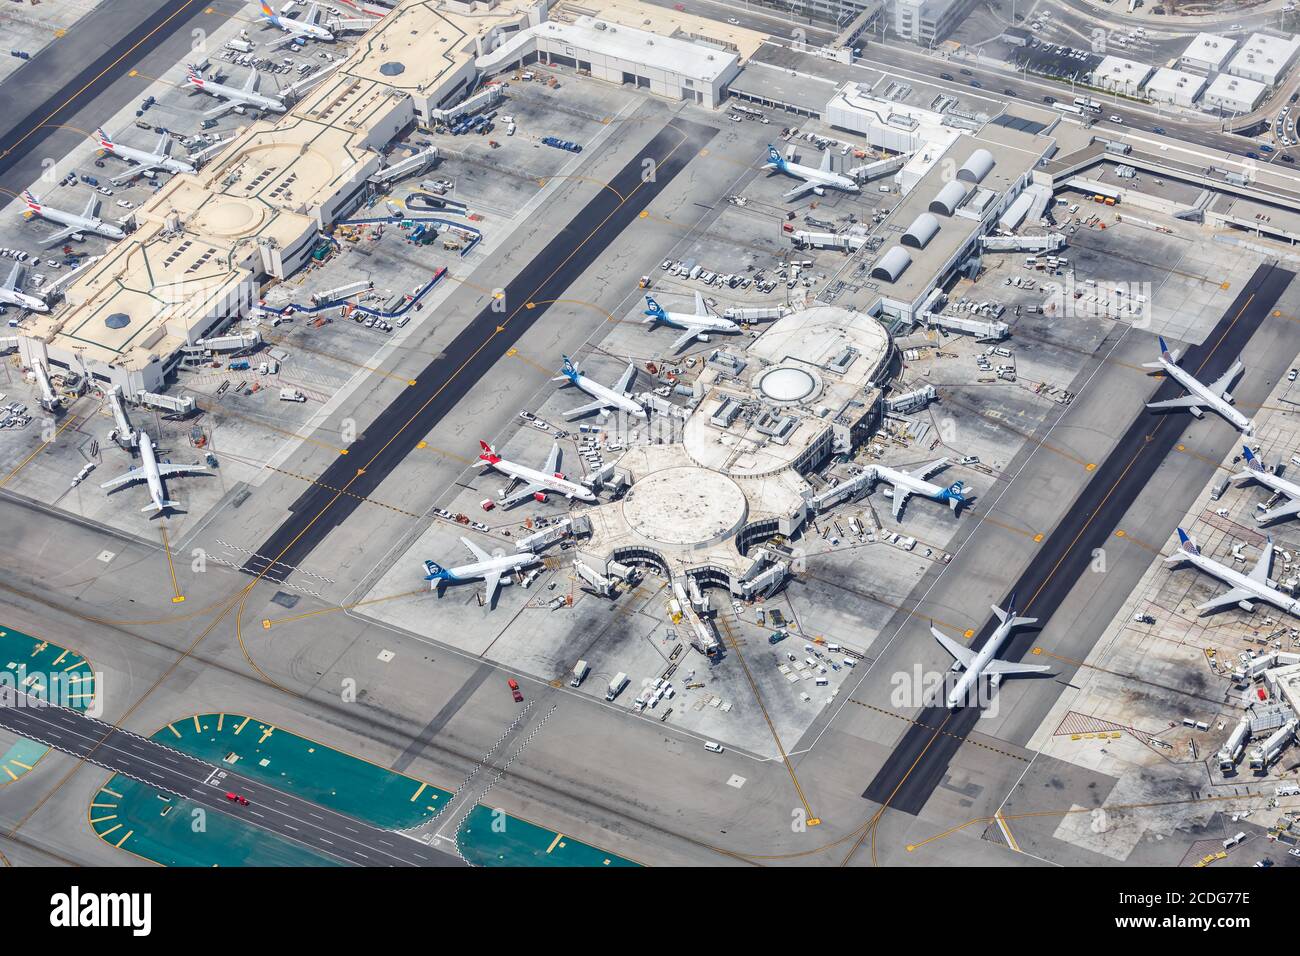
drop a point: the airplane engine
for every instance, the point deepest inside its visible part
(541, 496)
(1196, 412)
(702, 338)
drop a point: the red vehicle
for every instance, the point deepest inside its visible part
(514, 689)
(236, 798)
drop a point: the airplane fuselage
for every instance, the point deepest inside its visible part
(606, 394)
(237, 96)
(902, 481)
(145, 158)
(970, 678)
(151, 476)
(1194, 387)
(560, 486)
(23, 301)
(706, 323)
(71, 220)
(481, 569)
(1235, 579)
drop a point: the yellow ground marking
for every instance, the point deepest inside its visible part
(266, 733)
(104, 806)
(111, 816)
(242, 724)
(173, 730)
(111, 793)
(558, 838)
(124, 839)
(269, 427)
(415, 796)
(19, 763)
(198, 728)
(341, 359)
(268, 623)
(71, 420)
(177, 597)
(115, 827)
(221, 719)
(12, 775)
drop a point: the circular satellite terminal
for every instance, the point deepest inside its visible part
(787, 384)
(392, 68)
(685, 507)
(118, 320)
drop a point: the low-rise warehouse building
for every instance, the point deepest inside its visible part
(1176, 87)
(1207, 53)
(1233, 94)
(1265, 58)
(1120, 75)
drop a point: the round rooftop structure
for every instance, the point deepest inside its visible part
(392, 68)
(787, 384)
(686, 507)
(118, 320)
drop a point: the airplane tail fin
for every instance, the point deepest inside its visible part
(569, 369)
(489, 453)
(102, 137)
(1165, 355)
(1253, 463)
(957, 494)
(773, 157)
(1187, 543)
(434, 571)
(654, 311)
(269, 13)
(1009, 614)
(33, 203)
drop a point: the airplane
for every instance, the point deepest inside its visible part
(698, 325)
(814, 180)
(607, 398)
(1255, 471)
(985, 661)
(76, 225)
(908, 483)
(10, 294)
(536, 483)
(152, 473)
(159, 159)
(122, 432)
(307, 28)
(1215, 395)
(236, 98)
(492, 569)
(1245, 589)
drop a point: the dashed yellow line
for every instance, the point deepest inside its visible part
(938, 730)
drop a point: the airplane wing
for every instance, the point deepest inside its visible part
(624, 383)
(900, 501)
(11, 284)
(801, 190)
(61, 235)
(250, 84)
(552, 460)
(492, 584)
(282, 40)
(472, 548)
(1227, 599)
(1285, 510)
(964, 655)
(510, 500)
(167, 469)
(690, 333)
(1188, 401)
(135, 474)
(1220, 385)
(1265, 564)
(132, 173)
(926, 471)
(92, 206)
(826, 161)
(700, 307)
(221, 109)
(1006, 668)
(585, 410)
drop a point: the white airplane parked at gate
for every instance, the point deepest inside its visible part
(11, 294)
(76, 225)
(235, 97)
(536, 483)
(1245, 589)
(1214, 396)
(606, 398)
(698, 324)
(908, 483)
(159, 159)
(814, 180)
(492, 569)
(152, 473)
(308, 28)
(1255, 471)
(985, 661)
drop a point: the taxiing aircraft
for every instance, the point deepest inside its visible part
(698, 324)
(814, 180)
(76, 225)
(308, 28)
(908, 483)
(985, 661)
(145, 162)
(152, 473)
(606, 398)
(235, 97)
(536, 483)
(1245, 589)
(491, 569)
(1214, 396)
(11, 294)
(1255, 471)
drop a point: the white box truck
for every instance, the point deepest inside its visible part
(616, 686)
(292, 395)
(579, 672)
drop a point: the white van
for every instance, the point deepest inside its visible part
(710, 746)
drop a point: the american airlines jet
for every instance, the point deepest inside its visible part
(698, 324)
(76, 225)
(814, 180)
(236, 98)
(11, 294)
(985, 661)
(492, 569)
(1244, 589)
(606, 398)
(308, 27)
(1255, 471)
(536, 483)
(1214, 396)
(145, 162)
(152, 473)
(908, 483)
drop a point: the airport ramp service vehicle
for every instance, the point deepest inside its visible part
(1214, 396)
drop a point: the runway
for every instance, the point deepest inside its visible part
(164, 768)
(470, 357)
(918, 764)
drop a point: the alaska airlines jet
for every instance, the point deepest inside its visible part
(1214, 396)
(76, 225)
(152, 473)
(908, 483)
(985, 661)
(10, 294)
(536, 483)
(308, 27)
(159, 159)
(814, 180)
(492, 569)
(606, 398)
(1255, 471)
(698, 324)
(1245, 589)
(236, 98)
